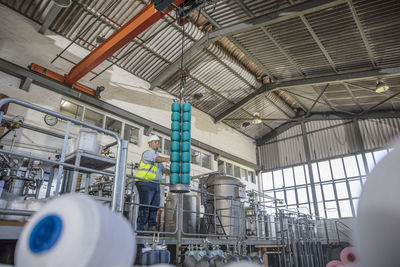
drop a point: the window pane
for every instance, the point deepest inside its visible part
(167, 147)
(317, 192)
(195, 157)
(361, 164)
(341, 190)
(315, 172)
(331, 210)
(337, 169)
(278, 179)
(71, 110)
(229, 168)
(288, 177)
(268, 183)
(304, 209)
(131, 134)
(113, 125)
(355, 188)
(291, 197)
(93, 117)
(345, 208)
(280, 195)
(302, 195)
(251, 177)
(328, 191)
(324, 171)
(379, 155)
(236, 171)
(321, 209)
(370, 161)
(206, 161)
(350, 164)
(299, 175)
(221, 166)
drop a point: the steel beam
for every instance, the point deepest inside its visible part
(361, 31)
(267, 19)
(339, 78)
(316, 100)
(139, 23)
(326, 116)
(20, 72)
(353, 97)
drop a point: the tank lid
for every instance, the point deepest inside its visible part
(223, 180)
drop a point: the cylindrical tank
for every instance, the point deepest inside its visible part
(190, 211)
(228, 191)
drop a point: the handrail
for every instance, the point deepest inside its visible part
(117, 198)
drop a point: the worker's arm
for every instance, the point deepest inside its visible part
(161, 159)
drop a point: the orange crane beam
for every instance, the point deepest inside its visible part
(138, 24)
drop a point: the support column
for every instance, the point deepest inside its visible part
(310, 171)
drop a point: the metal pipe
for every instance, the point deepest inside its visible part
(16, 212)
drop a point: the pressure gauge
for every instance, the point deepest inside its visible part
(50, 120)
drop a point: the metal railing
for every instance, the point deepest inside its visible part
(117, 201)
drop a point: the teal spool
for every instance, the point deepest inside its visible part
(175, 136)
(185, 157)
(187, 107)
(185, 168)
(174, 168)
(186, 136)
(174, 178)
(176, 116)
(175, 146)
(175, 126)
(185, 178)
(175, 157)
(185, 146)
(186, 116)
(176, 107)
(186, 126)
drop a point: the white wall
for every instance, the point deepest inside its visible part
(20, 43)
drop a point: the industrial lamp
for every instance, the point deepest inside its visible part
(256, 118)
(381, 86)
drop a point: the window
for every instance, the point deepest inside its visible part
(289, 179)
(302, 195)
(337, 169)
(291, 197)
(345, 208)
(243, 176)
(71, 110)
(251, 177)
(350, 164)
(221, 166)
(195, 157)
(131, 134)
(206, 161)
(236, 171)
(278, 179)
(113, 125)
(299, 175)
(229, 169)
(167, 147)
(93, 117)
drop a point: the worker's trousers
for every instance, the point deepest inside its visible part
(149, 194)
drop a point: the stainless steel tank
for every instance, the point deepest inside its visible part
(228, 191)
(191, 207)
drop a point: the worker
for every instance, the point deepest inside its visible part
(150, 169)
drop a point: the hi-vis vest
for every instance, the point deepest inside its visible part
(146, 171)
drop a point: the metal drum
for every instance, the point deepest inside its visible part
(228, 191)
(190, 213)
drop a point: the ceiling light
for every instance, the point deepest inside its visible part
(197, 96)
(381, 86)
(256, 118)
(245, 124)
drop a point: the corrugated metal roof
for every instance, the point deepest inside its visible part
(347, 37)
(327, 139)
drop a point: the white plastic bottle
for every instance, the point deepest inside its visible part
(75, 230)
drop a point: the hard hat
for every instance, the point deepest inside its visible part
(153, 138)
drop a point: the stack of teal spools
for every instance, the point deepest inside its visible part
(180, 143)
(185, 155)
